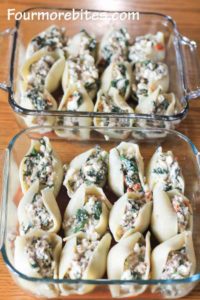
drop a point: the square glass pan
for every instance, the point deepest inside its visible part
(181, 58)
(183, 148)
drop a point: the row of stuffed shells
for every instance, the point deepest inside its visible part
(43, 257)
(172, 259)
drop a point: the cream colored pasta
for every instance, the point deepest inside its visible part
(41, 163)
(81, 68)
(172, 213)
(51, 39)
(75, 99)
(126, 169)
(119, 76)
(87, 211)
(174, 259)
(129, 260)
(113, 46)
(43, 69)
(80, 43)
(89, 167)
(164, 168)
(148, 47)
(130, 213)
(149, 76)
(82, 258)
(157, 103)
(37, 255)
(38, 210)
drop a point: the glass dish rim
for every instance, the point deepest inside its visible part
(28, 112)
(193, 278)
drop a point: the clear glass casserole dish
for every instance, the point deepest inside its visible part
(181, 58)
(189, 159)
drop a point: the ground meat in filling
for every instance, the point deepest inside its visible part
(117, 46)
(39, 71)
(93, 171)
(135, 266)
(131, 173)
(82, 256)
(182, 208)
(40, 256)
(38, 215)
(167, 170)
(86, 218)
(82, 68)
(119, 78)
(39, 165)
(177, 266)
(131, 213)
(53, 39)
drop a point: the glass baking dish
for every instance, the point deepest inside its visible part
(189, 159)
(181, 58)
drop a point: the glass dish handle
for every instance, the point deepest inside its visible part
(5, 57)
(191, 67)
(4, 162)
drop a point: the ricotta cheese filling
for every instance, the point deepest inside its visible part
(39, 164)
(38, 215)
(86, 218)
(38, 98)
(167, 170)
(147, 72)
(116, 47)
(88, 44)
(129, 166)
(119, 78)
(135, 266)
(39, 70)
(132, 210)
(82, 68)
(83, 253)
(40, 256)
(107, 105)
(93, 171)
(53, 38)
(146, 47)
(177, 266)
(182, 208)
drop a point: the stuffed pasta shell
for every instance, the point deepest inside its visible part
(130, 213)
(149, 76)
(43, 69)
(119, 76)
(80, 43)
(38, 210)
(157, 103)
(171, 208)
(112, 102)
(81, 68)
(90, 167)
(35, 98)
(41, 163)
(113, 46)
(126, 169)
(147, 47)
(129, 260)
(87, 211)
(82, 258)
(164, 168)
(174, 259)
(75, 99)
(37, 255)
(51, 39)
